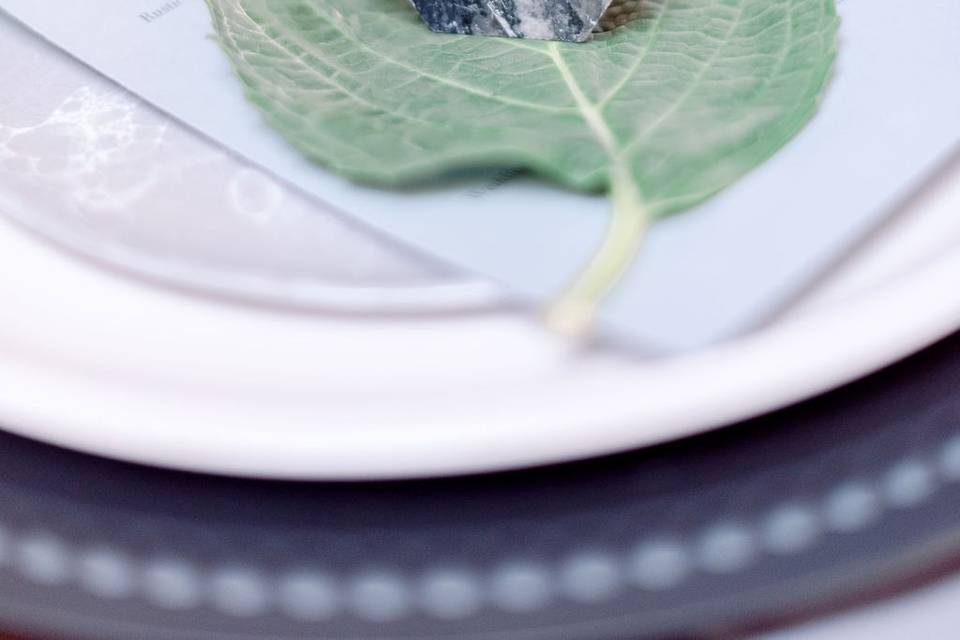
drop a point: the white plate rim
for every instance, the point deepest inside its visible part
(213, 422)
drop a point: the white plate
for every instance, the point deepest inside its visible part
(350, 359)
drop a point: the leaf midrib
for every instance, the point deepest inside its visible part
(591, 114)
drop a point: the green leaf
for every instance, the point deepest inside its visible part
(661, 113)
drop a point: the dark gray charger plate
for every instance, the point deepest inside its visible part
(835, 498)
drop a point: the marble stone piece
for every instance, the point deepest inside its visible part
(568, 20)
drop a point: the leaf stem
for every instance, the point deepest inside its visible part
(573, 312)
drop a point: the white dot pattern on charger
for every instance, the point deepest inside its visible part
(309, 596)
(380, 597)
(950, 459)
(590, 577)
(521, 587)
(584, 576)
(239, 592)
(451, 594)
(106, 573)
(852, 506)
(909, 483)
(43, 559)
(726, 548)
(790, 529)
(172, 584)
(659, 565)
